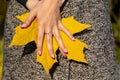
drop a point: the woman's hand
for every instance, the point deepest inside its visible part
(49, 22)
(31, 4)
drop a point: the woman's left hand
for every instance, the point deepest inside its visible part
(49, 22)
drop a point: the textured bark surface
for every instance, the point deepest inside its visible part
(100, 53)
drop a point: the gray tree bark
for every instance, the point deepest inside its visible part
(100, 54)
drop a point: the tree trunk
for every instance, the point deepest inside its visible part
(100, 53)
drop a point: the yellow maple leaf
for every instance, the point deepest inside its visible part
(75, 48)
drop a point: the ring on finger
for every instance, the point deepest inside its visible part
(48, 32)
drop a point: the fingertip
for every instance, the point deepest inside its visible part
(52, 55)
(23, 25)
(66, 31)
(65, 51)
(28, 21)
(39, 52)
(62, 52)
(73, 38)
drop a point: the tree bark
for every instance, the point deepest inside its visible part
(100, 53)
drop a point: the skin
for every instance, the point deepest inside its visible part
(49, 22)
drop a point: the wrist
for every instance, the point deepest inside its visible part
(54, 2)
(31, 3)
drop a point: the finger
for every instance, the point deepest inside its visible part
(49, 44)
(66, 31)
(61, 2)
(62, 52)
(59, 40)
(29, 20)
(40, 39)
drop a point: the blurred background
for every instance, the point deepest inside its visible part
(3, 8)
(115, 18)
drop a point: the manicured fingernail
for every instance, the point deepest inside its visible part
(39, 53)
(73, 38)
(52, 55)
(24, 25)
(65, 50)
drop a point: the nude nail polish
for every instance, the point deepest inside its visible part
(73, 38)
(65, 51)
(24, 25)
(39, 52)
(52, 55)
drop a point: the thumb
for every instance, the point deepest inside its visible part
(28, 21)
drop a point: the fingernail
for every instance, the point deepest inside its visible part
(52, 55)
(73, 38)
(65, 51)
(24, 25)
(39, 53)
